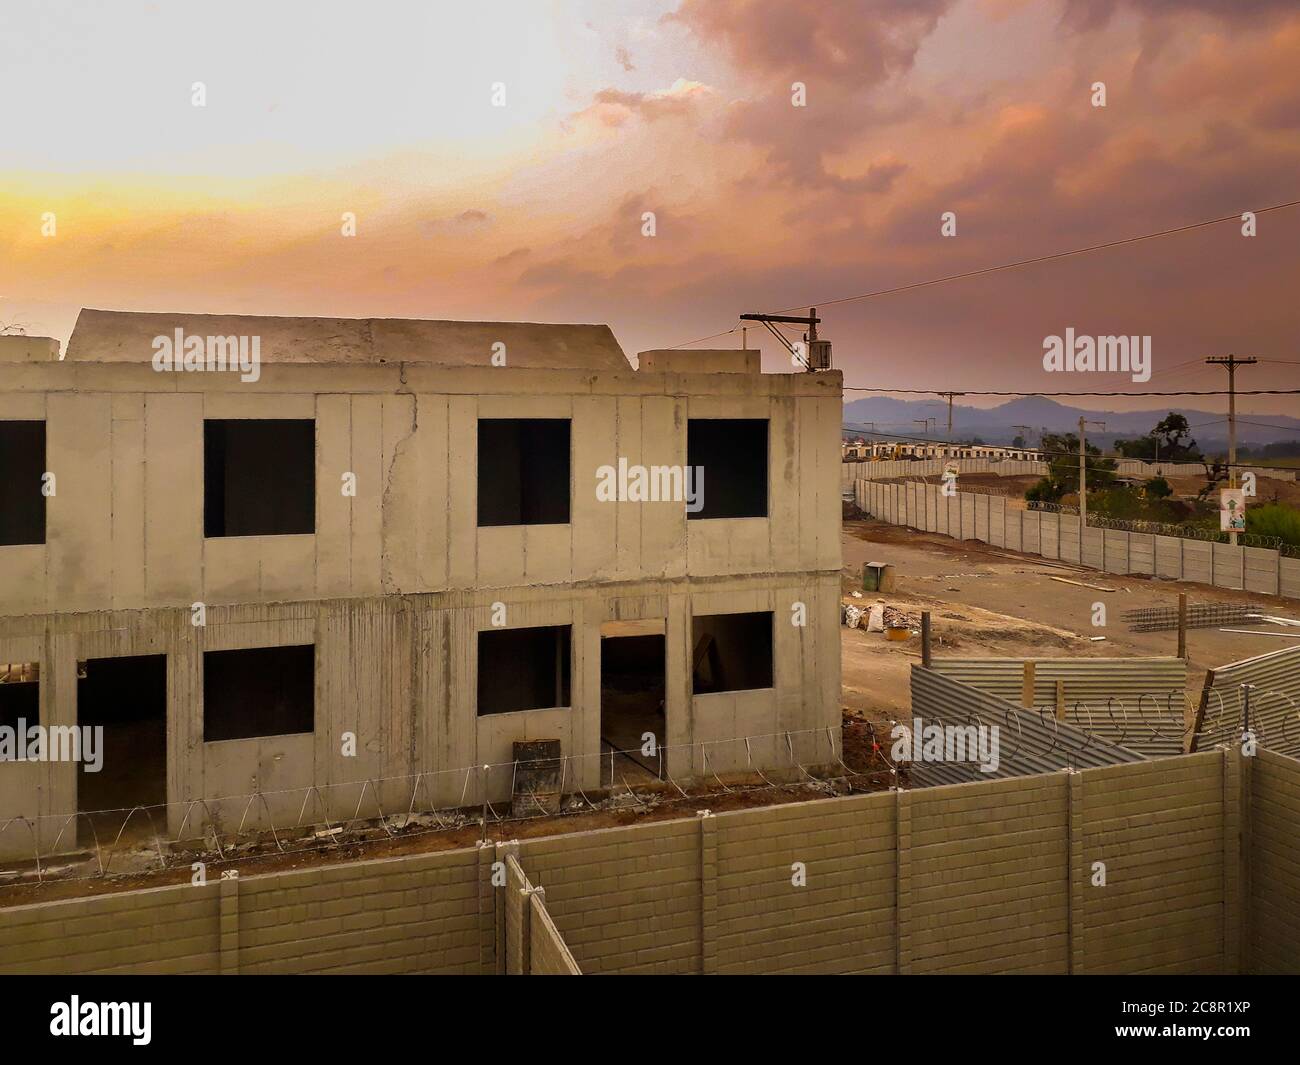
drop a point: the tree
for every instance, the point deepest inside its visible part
(1215, 472)
(1063, 469)
(1143, 447)
(1165, 441)
(1019, 441)
(1171, 431)
(1157, 488)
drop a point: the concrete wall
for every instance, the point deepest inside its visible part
(993, 520)
(418, 914)
(987, 878)
(625, 900)
(885, 469)
(1168, 838)
(532, 944)
(401, 674)
(1274, 865)
(396, 582)
(991, 877)
(125, 527)
(1140, 468)
(843, 920)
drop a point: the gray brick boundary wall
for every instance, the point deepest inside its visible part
(991, 520)
(998, 876)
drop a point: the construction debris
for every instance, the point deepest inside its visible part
(896, 619)
(1082, 584)
(877, 618)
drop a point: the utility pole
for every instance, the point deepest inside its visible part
(1232, 362)
(1083, 482)
(949, 396)
(924, 423)
(815, 354)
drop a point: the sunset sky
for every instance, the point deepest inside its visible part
(533, 211)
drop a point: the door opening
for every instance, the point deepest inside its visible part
(125, 699)
(633, 723)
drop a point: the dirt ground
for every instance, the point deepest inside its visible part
(1267, 490)
(987, 602)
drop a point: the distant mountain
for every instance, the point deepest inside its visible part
(996, 425)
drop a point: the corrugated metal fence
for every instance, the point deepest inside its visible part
(992, 520)
(1132, 702)
(1274, 703)
(1029, 741)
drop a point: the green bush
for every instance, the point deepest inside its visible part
(1274, 519)
(1157, 488)
(1119, 502)
(1045, 491)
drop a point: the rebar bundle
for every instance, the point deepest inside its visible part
(1199, 616)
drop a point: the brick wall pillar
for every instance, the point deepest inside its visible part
(487, 909)
(1237, 916)
(229, 911)
(903, 836)
(708, 892)
(1078, 871)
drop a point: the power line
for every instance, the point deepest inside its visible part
(1043, 258)
(1270, 425)
(1247, 421)
(1007, 266)
(701, 340)
(1026, 395)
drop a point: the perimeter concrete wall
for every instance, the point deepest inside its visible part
(1274, 863)
(993, 520)
(989, 877)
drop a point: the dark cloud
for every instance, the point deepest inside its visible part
(1094, 14)
(842, 52)
(861, 42)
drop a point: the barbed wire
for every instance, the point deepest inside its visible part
(1158, 528)
(276, 837)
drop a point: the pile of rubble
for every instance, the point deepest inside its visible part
(877, 617)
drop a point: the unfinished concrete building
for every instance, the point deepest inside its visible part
(389, 552)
